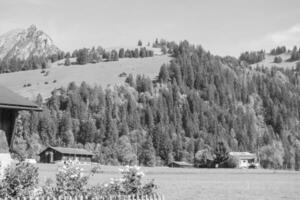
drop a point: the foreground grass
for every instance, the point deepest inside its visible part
(207, 184)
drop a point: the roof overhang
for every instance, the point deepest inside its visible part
(13, 101)
(18, 107)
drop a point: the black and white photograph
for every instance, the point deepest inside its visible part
(149, 100)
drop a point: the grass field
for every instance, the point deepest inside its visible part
(268, 62)
(103, 73)
(208, 184)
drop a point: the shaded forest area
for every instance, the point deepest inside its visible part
(198, 102)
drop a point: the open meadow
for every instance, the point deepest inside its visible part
(207, 184)
(58, 75)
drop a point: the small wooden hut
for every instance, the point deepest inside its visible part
(60, 154)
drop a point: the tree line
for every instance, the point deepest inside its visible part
(81, 56)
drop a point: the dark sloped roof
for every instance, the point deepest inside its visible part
(11, 100)
(75, 151)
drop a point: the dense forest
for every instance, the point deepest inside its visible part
(198, 102)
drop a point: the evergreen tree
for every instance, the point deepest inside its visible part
(140, 43)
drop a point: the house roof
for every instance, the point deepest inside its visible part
(182, 163)
(73, 151)
(11, 100)
(243, 154)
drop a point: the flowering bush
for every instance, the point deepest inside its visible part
(129, 183)
(132, 179)
(70, 180)
(19, 181)
(22, 181)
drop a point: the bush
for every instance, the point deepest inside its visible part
(19, 181)
(277, 59)
(231, 162)
(96, 169)
(123, 74)
(204, 158)
(271, 156)
(70, 180)
(67, 62)
(130, 183)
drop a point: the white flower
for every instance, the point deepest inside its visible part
(140, 174)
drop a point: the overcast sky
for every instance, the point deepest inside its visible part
(223, 27)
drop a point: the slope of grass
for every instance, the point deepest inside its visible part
(269, 61)
(103, 73)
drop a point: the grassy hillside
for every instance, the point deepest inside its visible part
(269, 61)
(102, 73)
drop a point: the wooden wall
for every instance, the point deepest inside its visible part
(7, 122)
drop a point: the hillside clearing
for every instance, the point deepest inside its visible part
(268, 62)
(103, 73)
(207, 184)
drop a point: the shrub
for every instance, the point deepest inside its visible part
(204, 158)
(231, 162)
(96, 169)
(271, 156)
(46, 73)
(123, 74)
(277, 59)
(70, 180)
(19, 181)
(67, 62)
(130, 183)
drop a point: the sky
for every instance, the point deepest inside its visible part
(222, 27)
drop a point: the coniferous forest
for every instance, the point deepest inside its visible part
(198, 102)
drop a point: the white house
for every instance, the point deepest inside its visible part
(245, 159)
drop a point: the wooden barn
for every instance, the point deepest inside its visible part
(58, 154)
(10, 104)
(180, 164)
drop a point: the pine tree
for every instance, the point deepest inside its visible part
(140, 43)
(147, 156)
(67, 62)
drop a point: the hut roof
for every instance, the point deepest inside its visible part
(11, 100)
(245, 155)
(72, 151)
(181, 163)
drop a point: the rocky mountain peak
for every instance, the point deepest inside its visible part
(22, 43)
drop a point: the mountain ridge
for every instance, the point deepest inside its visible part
(23, 43)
